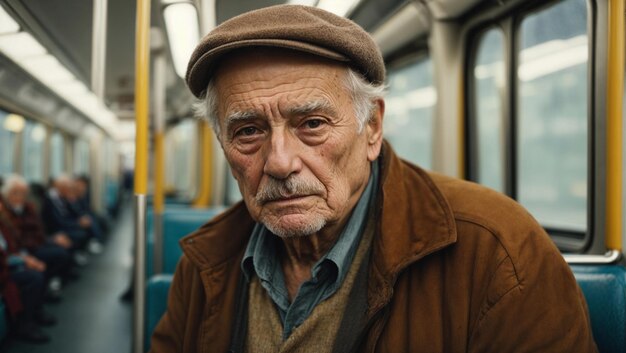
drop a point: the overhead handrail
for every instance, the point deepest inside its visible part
(142, 81)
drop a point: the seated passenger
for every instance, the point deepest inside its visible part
(339, 245)
(31, 239)
(28, 275)
(80, 205)
(58, 216)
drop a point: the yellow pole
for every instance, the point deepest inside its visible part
(615, 91)
(142, 71)
(204, 193)
(142, 81)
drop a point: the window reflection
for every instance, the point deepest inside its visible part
(81, 157)
(7, 145)
(33, 146)
(409, 111)
(57, 151)
(489, 87)
(180, 154)
(552, 115)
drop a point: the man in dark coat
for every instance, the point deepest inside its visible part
(58, 217)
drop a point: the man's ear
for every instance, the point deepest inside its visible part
(374, 130)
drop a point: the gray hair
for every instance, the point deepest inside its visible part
(363, 95)
(11, 182)
(63, 179)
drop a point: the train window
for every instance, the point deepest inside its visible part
(81, 157)
(489, 73)
(7, 143)
(180, 153)
(33, 147)
(552, 115)
(409, 111)
(57, 151)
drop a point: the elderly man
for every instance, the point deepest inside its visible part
(339, 245)
(59, 217)
(53, 250)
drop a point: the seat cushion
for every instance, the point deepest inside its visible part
(157, 289)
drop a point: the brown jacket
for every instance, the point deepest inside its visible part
(454, 267)
(28, 225)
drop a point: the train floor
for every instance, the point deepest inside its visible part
(91, 317)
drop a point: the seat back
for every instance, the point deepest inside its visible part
(177, 222)
(604, 288)
(157, 289)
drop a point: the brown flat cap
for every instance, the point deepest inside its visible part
(302, 28)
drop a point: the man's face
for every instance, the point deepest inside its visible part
(290, 135)
(17, 196)
(66, 189)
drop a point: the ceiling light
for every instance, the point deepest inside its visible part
(7, 23)
(70, 88)
(339, 8)
(14, 123)
(181, 21)
(20, 45)
(48, 69)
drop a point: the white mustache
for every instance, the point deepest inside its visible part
(276, 189)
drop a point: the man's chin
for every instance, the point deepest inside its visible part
(286, 228)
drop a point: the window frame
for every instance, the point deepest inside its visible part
(509, 20)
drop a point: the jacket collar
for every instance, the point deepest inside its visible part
(415, 221)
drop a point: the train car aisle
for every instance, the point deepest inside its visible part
(91, 317)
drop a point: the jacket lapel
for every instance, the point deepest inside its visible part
(415, 220)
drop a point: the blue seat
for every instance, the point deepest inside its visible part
(605, 291)
(157, 289)
(177, 222)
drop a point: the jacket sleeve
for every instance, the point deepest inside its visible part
(541, 310)
(168, 336)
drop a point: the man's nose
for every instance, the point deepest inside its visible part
(282, 156)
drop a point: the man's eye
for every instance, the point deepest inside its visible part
(247, 131)
(313, 123)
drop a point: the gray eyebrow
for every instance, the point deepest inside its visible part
(303, 109)
(238, 116)
(311, 107)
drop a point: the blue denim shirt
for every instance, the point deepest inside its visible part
(327, 274)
